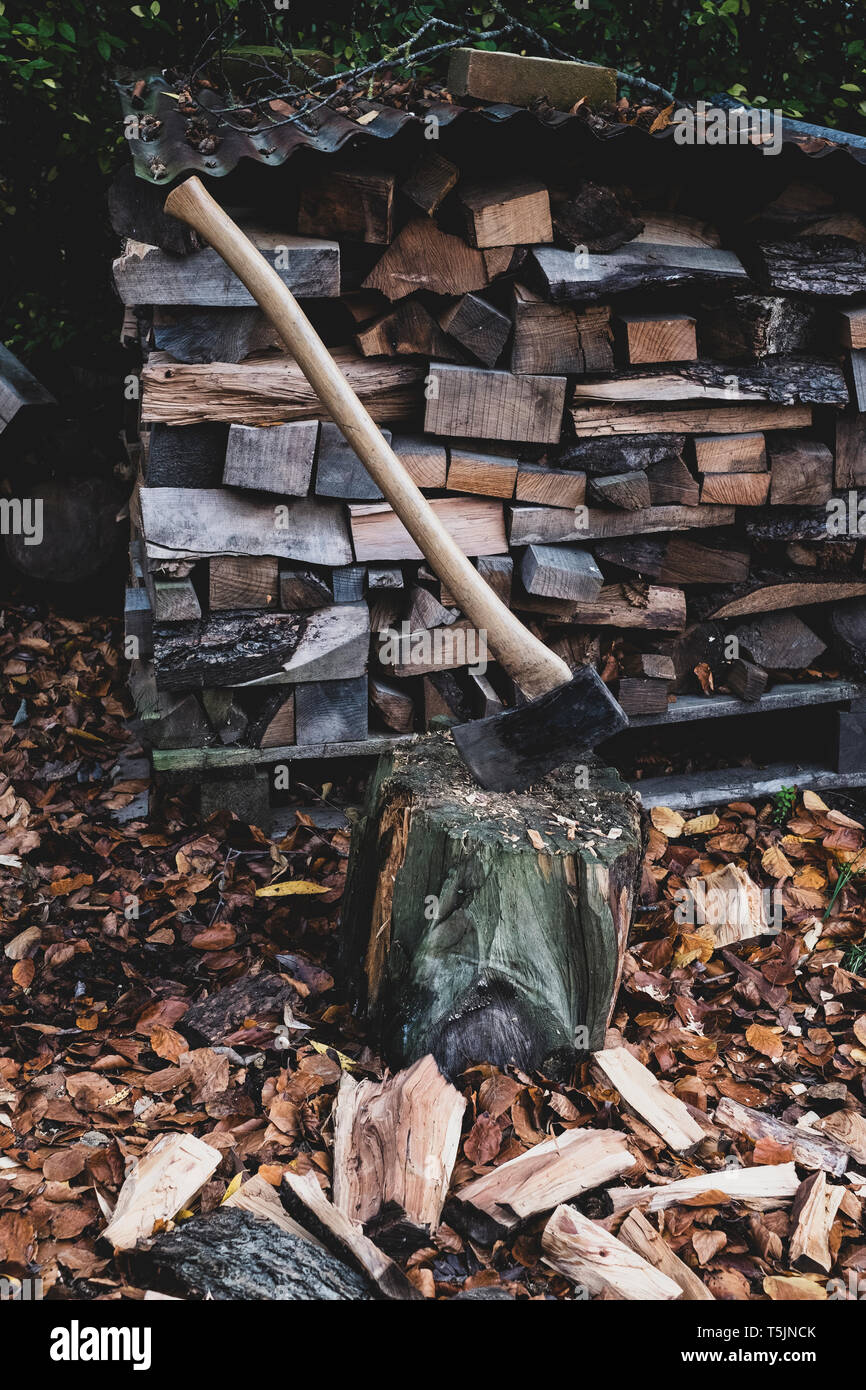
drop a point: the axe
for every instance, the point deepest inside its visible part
(563, 714)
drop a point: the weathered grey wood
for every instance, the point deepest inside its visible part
(825, 266)
(331, 711)
(308, 266)
(559, 571)
(671, 484)
(274, 458)
(850, 470)
(19, 389)
(565, 275)
(699, 790)
(193, 523)
(792, 695)
(212, 335)
(333, 645)
(848, 626)
(810, 1150)
(471, 403)
(231, 761)
(431, 180)
(425, 611)
(387, 578)
(641, 695)
(347, 582)
(801, 471)
(339, 471)
(180, 721)
(477, 326)
(138, 621)
(229, 1254)
(857, 360)
(746, 680)
(539, 525)
(779, 641)
(302, 589)
(498, 571)
(175, 601)
(557, 915)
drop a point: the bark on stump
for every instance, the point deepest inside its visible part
(469, 938)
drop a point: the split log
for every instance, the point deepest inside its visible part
(590, 1256)
(651, 665)
(425, 460)
(395, 1146)
(273, 390)
(659, 338)
(565, 276)
(274, 725)
(555, 339)
(671, 484)
(550, 487)
(748, 328)
(349, 204)
(510, 77)
(212, 335)
(534, 525)
(395, 706)
(812, 1216)
(227, 718)
(434, 985)
(332, 711)
(486, 475)
(344, 1238)
(628, 455)
(848, 626)
(234, 1255)
(243, 581)
(472, 403)
(425, 611)
(405, 329)
(801, 472)
(163, 1180)
(507, 212)
(310, 268)
(590, 421)
(849, 1128)
(637, 1233)
(477, 526)
(430, 182)
(679, 559)
(138, 621)
(591, 215)
(556, 1170)
(257, 1197)
(214, 1020)
(779, 642)
(347, 582)
(745, 680)
(175, 601)
(303, 589)
(559, 571)
(476, 326)
(179, 722)
(630, 491)
(762, 1188)
(852, 328)
(640, 696)
(809, 1149)
(194, 523)
(736, 489)
(423, 257)
(761, 597)
(276, 459)
(857, 362)
(673, 229)
(731, 453)
(617, 605)
(784, 381)
(339, 471)
(644, 1094)
(821, 266)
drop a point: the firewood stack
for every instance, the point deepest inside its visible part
(636, 429)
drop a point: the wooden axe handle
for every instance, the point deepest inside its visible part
(529, 662)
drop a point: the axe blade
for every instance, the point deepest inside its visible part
(509, 751)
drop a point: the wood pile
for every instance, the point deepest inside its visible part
(642, 447)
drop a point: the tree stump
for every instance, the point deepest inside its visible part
(486, 926)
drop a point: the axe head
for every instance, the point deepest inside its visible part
(509, 751)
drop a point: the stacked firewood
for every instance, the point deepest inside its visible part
(645, 440)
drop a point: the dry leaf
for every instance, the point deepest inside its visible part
(669, 822)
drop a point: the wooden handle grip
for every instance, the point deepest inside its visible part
(529, 662)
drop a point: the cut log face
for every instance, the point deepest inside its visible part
(475, 404)
(434, 984)
(559, 571)
(779, 642)
(551, 487)
(278, 459)
(395, 1145)
(558, 338)
(331, 711)
(243, 581)
(850, 451)
(590, 1256)
(425, 460)
(736, 489)
(193, 523)
(431, 180)
(520, 81)
(513, 212)
(405, 329)
(339, 471)
(487, 475)
(801, 472)
(477, 327)
(631, 491)
(422, 257)
(477, 526)
(549, 1173)
(731, 453)
(659, 338)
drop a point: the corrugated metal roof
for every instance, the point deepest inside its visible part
(174, 139)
